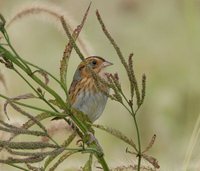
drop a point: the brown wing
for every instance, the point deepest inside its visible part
(73, 88)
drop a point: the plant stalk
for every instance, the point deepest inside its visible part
(102, 161)
(138, 139)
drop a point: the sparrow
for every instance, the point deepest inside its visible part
(83, 92)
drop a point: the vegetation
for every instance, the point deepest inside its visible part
(47, 150)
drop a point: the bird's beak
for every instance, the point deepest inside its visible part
(106, 64)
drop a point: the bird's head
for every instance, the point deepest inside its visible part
(96, 63)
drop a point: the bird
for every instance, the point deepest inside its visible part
(84, 95)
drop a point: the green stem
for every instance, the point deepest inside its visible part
(136, 126)
(8, 56)
(102, 161)
(12, 48)
(138, 139)
(20, 62)
(126, 108)
(130, 111)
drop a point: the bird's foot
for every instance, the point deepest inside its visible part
(92, 139)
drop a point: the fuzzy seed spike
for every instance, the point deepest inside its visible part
(68, 50)
(143, 91)
(133, 81)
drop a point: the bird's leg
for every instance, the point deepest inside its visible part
(92, 139)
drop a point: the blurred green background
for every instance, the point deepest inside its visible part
(164, 36)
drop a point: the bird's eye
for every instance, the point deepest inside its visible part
(94, 62)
